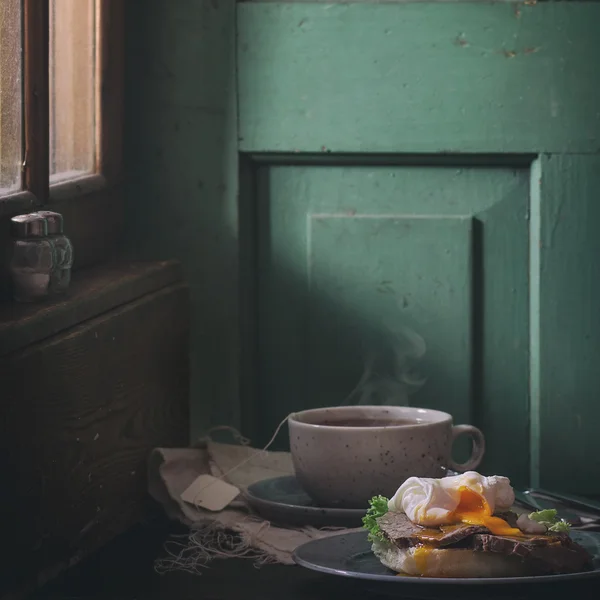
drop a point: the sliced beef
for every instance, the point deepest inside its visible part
(551, 553)
(402, 532)
(399, 529)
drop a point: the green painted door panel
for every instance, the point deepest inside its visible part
(419, 77)
(350, 258)
(397, 277)
(390, 272)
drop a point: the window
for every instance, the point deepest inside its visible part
(61, 100)
(10, 96)
(73, 75)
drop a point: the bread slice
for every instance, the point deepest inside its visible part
(421, 561)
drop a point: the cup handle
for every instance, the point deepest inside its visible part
(478, 448)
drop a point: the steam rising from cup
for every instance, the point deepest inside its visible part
(388, 377)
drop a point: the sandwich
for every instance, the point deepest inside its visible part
(464, 526)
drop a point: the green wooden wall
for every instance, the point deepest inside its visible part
(182, 175)
(387, 137)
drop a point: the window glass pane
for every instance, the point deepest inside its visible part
(72, 88)
(10, 96)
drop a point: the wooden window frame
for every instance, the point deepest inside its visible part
(91, 204)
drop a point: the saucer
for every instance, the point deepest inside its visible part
(282, 500)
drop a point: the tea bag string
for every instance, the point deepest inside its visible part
(244, 441)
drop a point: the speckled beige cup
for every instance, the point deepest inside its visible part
(344, 466)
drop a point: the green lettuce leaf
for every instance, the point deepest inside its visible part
(560, 527)
(378, 507)
(550, 519)
(546, 517)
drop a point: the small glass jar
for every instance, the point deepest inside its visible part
(60, 278)
(32, 259)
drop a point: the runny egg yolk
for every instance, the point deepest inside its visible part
(473, 509)
(420, 555)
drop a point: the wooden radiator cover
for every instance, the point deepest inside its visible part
(82, 409)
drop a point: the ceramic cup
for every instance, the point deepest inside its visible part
(343, 456)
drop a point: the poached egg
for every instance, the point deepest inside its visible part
(469, 498)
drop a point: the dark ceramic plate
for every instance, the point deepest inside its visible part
(349, 555)
(282, 500)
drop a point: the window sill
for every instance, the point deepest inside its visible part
(70, 189)
(93, 291)
(61, 191)
(17, 203)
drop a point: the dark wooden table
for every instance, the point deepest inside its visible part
(124, 570)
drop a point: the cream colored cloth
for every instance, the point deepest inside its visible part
(172, 470)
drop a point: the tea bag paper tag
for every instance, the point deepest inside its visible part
(210, 493)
